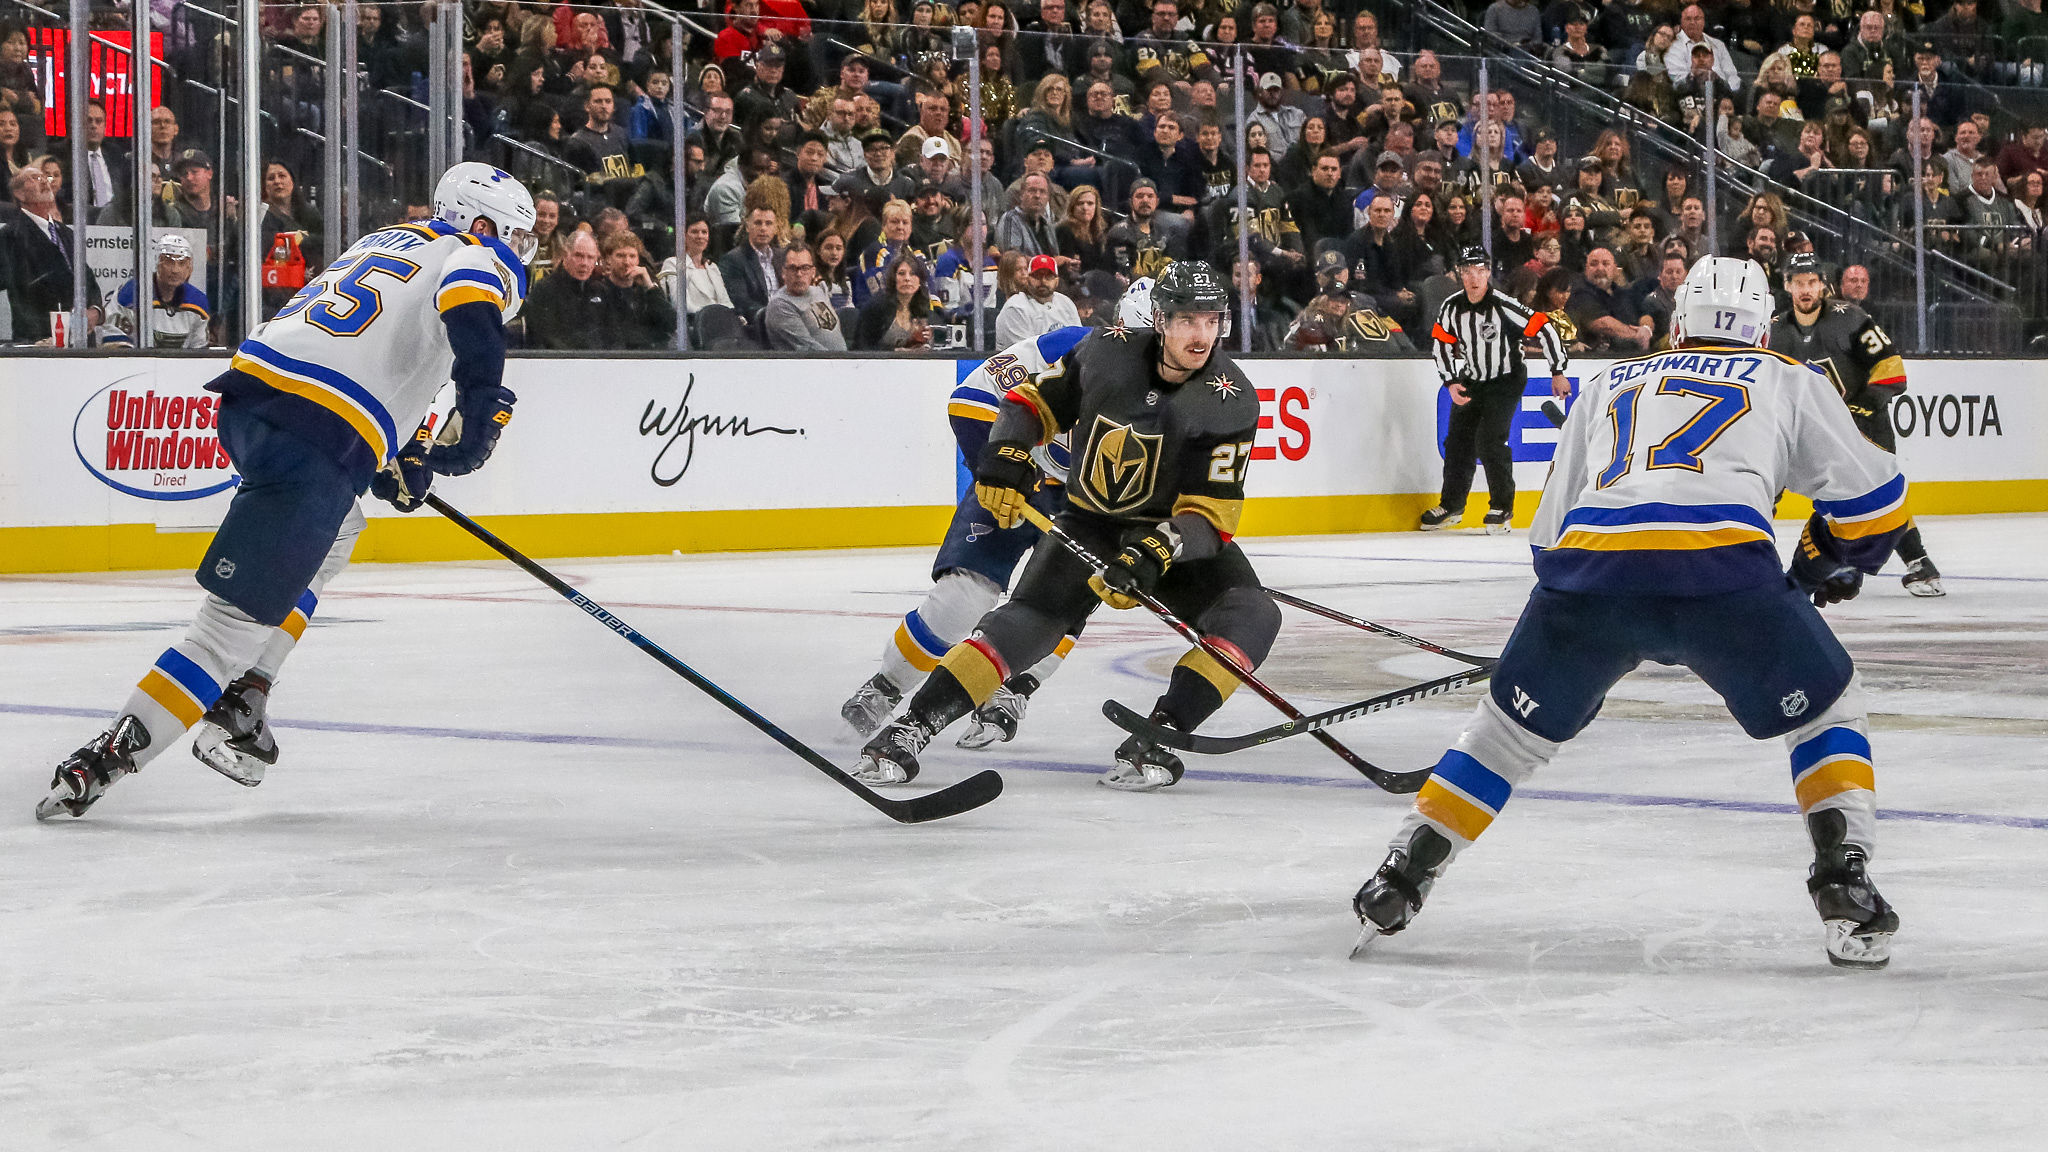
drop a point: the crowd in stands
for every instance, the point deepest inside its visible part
(829, 183)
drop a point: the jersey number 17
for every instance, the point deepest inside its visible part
(1726, 403)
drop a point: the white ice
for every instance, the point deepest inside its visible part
(513, 886)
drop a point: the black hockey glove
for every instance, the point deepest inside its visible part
(1004, 479)
(1817, 568)
(1147, 553)
(403, 483)
(484, 413)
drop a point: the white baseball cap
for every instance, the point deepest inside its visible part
(935, 146)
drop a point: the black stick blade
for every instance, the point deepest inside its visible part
(951, 800)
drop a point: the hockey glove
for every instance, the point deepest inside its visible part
(1147, 554)
(484, 413)
(1004, 479)
(1817, 568)
(403, 483)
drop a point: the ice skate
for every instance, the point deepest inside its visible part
(87, 773)
(874, 702)
(996, 721)
(1395, 893)
(1858, 921)
(1497, 522)
(1434, 519)
(1922, 578)
(233, 738)
(1142, 767)
(891, 756)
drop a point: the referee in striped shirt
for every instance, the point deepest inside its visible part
(1477, 342)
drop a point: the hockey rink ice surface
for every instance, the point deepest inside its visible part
(514, 886)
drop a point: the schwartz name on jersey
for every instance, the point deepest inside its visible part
(1670, 466)
(400, 283)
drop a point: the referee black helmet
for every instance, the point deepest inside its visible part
(1472, 254)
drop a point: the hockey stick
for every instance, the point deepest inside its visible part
(1139, 726)
(1399, 783)
(970, 793)
(1376, 629)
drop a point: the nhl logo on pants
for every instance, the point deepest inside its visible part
(1794, 704)
(225, 569)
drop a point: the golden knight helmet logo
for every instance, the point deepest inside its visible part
(1123, 464)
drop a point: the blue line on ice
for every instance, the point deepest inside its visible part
(1611, 799)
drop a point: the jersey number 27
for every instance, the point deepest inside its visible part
(1726, 403)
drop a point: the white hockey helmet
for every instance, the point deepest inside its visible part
(1723, 298)
(471, 190)
(1134, 310)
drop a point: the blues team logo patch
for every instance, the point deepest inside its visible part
(1123, 465)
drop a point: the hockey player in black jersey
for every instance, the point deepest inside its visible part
(1842, 341)
(1162, 427)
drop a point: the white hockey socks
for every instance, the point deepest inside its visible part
(1473, 781)
(186, 680)
(956, 603)
(1832, 766)
(285, 636)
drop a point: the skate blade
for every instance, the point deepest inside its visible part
(210, 747)
(1848, 950)
(977, 740)
(1926, 587)
(1369, 938)
(1144, 783)
(57, 803)
(879, 774)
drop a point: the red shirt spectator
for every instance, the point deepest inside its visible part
(2027, 154)
(741, 36)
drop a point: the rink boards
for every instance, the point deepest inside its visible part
(111, 463)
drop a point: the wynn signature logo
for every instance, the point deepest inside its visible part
(682, 429)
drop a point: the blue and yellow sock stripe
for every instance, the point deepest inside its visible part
(181, 687)
(918, 644)
(301, 614)
(1836, 761)
(1463, 795)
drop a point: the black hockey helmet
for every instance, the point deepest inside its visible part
(1472, 254)
(1799, 263)
(1190, 286)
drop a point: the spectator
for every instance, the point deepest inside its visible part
(653, 117)
(1963, 156)
(1692, 29)
(1660, 301)
(871, 275)
(599, 147)
(1605, 316)
(1038, 309)
(1855, 285)
(109, 171)
(725, 201)
(1964, 37)
(1991, 218)
(1577, 55)
(877, 172)
(2027, 154)
(1638, 253)
(934, 112)
(718, 136)
(1217, 171)
(897, 317)
(1517, 22)
(1940, 101)
(702, 283)
(166, 144)
(1050, 116)
(1173, 165)
(1029, 227)
(1763, 248)
(800, 317)
(566, 310)
(1385, 261)
(637, 315)
(291, 237)
(1281, 121)
(1321, 209)
(765, 97)
(1875, 57)
(1084, 238)
(1147, 240)
(750, 268)
(833, 275)
(179, 312)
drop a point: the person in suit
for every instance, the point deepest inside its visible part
(35, 260)
(109, 176)
(750, 268)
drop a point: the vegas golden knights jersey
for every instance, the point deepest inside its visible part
(1856, 356)
(1144, 449)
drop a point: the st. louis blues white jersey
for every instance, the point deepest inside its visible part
(365, 339)
(1670, 465)
(975, 403)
